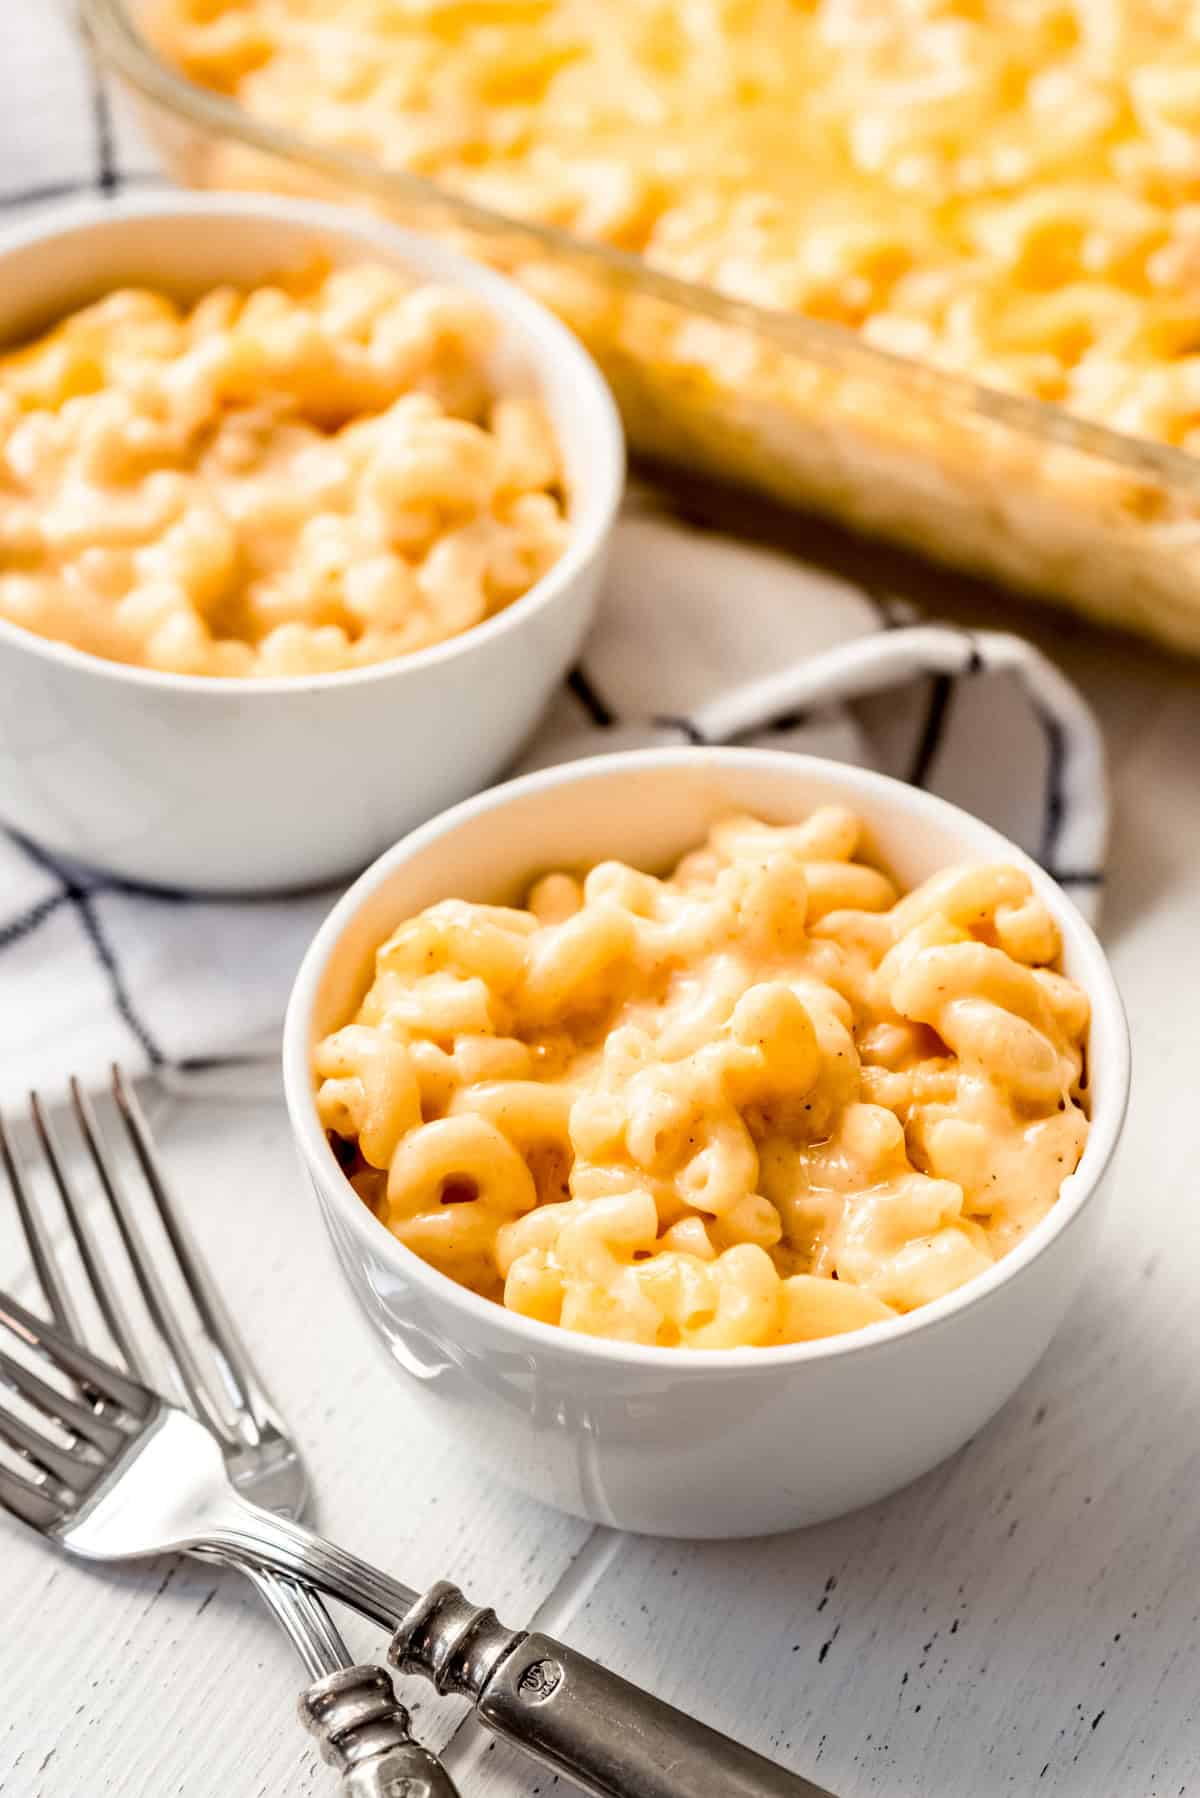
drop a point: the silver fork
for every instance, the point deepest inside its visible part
(352, 1710)
(137, 1476)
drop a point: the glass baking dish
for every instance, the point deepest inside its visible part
(804, 411)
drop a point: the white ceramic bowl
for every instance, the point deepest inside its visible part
(251, 785)
(671, 1441)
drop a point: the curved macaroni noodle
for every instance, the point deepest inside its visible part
(303, 478)
(762, 1100)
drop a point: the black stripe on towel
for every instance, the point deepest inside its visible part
(941, 692)
(24, 925)
(49, 190)
(1055, 809)
(94, 932)
(937, 715)
(1077, 877)
(593, 703)
(76, 895)
(685, 727)
(66, 190)
(796, 719)
(102, 126)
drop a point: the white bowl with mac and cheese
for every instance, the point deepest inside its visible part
(716, 1202)
(303, 518)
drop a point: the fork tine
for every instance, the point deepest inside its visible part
(299, 1611)
(93, 1263)
(247, 1390)
(69, 1357)
(83, 1419)
(29, 1501)
(69, 1466)
(41, 1248)
(157, 1301)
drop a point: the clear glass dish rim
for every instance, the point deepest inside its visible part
(121, 44)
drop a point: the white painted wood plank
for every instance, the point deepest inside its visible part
(168, 1678)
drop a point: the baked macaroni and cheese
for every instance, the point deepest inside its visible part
(1004, 189)
(310, 476)
(764, 1099)
(1008, 189)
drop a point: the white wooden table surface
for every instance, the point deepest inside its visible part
(1026, 1619)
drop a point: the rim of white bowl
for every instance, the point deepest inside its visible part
(545, 337)
(1077, 1189)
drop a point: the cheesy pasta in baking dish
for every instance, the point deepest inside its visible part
(311, 476)
(763, 1099)
(1007, 187)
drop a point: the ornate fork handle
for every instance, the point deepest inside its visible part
(363, 1730)
(612, 1738)
(359, 1724)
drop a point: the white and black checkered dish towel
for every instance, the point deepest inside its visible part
(701, 638)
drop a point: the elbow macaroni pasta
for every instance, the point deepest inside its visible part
(1010, 190)
(308, 477)
(762, 1100)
